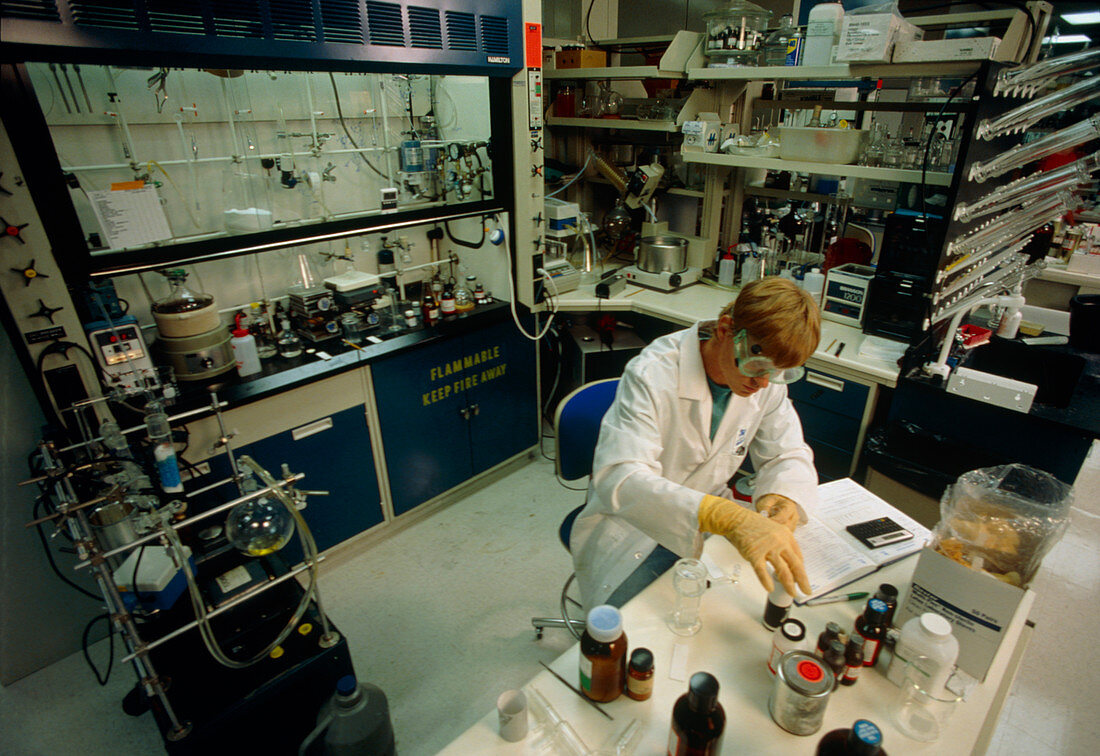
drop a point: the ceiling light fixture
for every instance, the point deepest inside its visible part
(1079, 19)
(1066, 39)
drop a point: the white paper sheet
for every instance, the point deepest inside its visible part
(130, 217)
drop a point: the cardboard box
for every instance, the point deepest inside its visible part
(701, 136)
(940, 50)
(870, 37)
(580, 59)
(982, 610)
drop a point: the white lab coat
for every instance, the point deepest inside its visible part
(655, 461)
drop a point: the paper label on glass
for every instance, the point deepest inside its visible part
(586, 673)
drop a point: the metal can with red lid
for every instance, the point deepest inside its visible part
(800, 693)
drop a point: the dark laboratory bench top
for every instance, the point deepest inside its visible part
(281, 374)
(1082, 409)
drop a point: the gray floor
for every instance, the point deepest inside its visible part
(437, 615)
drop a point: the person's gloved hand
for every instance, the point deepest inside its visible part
(760, 540)
(779, 508)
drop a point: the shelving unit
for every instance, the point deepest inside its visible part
(685, 50)
(823, 169)
(628, 124)
(838, 72)
(613, 72)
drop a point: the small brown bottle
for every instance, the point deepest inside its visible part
(639, 674)
(853, 661)
(834, 657)
(697, 719)
(871, 627)
(429, 310)
(603, 654)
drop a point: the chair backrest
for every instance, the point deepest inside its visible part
(577, 426)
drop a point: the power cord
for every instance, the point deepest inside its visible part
(49, 554)
(512, 298)
(104, 678)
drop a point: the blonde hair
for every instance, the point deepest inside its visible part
(780, 317)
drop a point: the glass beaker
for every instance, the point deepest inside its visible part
(246, 199)
(920, 711)
(689, 579)
(351, 325)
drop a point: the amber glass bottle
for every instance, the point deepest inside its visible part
(639, 674)
(697, 719)
(603, 654)
(863, 739)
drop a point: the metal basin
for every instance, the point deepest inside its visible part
(657, 254)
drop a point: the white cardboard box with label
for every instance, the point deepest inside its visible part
(982, 610)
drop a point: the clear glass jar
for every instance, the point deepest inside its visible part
(464, 294)
(775, 46)
(288, 343)
(736, 33)
(351, 326)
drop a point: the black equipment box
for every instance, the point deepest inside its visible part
(899, 295)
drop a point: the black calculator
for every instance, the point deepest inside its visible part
(875, 534)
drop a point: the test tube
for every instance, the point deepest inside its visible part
(558, 736)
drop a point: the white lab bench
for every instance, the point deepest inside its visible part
(733, 646)
(837, 399)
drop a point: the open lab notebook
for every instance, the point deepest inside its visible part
(832, 555)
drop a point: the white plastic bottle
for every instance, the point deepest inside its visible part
(727, 269)
(822, 33)
(814, 283)
(245, 352)
(1010, 323)
(928, 635)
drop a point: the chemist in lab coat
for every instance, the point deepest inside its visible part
(667, 449)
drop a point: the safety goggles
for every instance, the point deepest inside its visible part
(752, 364)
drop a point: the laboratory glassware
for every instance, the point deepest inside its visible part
(1024, 81)
(1071, 177)
(736, 32)
(1029, 114)
(258, 526)
(1022, 154)
(689, 579)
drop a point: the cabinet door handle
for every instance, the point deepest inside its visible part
(836, 384)
(311, 429)
(465, 412)
(476, 409)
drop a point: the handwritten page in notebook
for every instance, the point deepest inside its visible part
(130, 217)
(833, 557)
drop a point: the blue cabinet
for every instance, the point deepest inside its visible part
(831, 410)
(334, 452)
(454, 408)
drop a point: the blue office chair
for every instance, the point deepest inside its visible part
(576, 430)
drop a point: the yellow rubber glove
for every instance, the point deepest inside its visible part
(779, 508)
(760, 540)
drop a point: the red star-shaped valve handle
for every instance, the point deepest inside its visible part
(12, 230)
